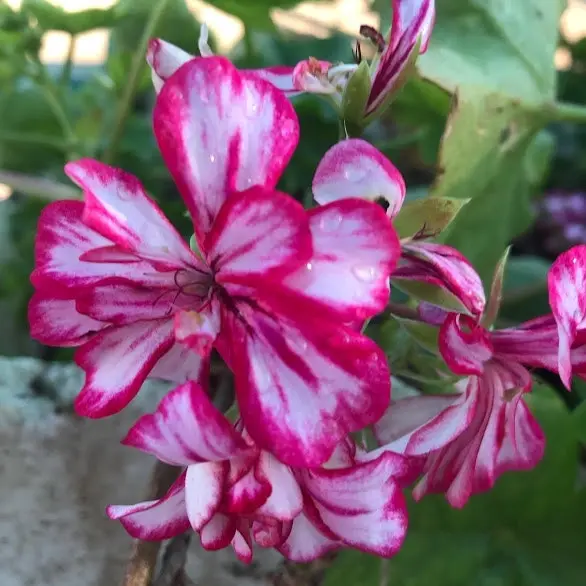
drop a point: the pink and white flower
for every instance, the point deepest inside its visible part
(270, 286)
(233, 493)
(354, 168)
(409, 36)
(567, 298)
(165, 59)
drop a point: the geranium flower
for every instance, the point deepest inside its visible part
(165, 59)
(464, 441)
(409, 36)
(233, 493)
(355, 168)
(114, 277)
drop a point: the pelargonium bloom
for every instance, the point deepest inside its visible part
(464, 441)
(114, 277)
(165, 59)
(233, 493)
(355, 168)
(409, 36)
(567, 298)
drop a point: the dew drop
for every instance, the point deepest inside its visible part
(365, 274)
(354, 174)
(330, 222)
(309, 266)
(212, 158)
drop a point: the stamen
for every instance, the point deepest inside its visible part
(370, 33)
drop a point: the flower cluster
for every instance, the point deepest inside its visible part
(282, 295)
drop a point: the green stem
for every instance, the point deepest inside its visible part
(136, 67)
(33, 138)
(569, 112)
(249, 45)
(68, 65)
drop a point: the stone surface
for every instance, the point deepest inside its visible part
(57, 474)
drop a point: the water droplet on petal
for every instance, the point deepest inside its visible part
(365, 274)
(212, 158)
(309, 266)
(354, 174)
(330, 222)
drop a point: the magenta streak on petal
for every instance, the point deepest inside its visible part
(218, 532)
(204, 484)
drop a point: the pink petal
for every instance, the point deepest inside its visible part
(306, 542)
(62, 239)
(355, 251)
(535, 343)
(155, 520)
(122, 304)
(185, 429)
(311, 76)
(567, 298)
(412, 21)
(354, 168)
(464, 345)
(204, 484)
(116, 362)
(258, 233)
(56, 322)
(198, 330)
(221, 131)
(502, 436)
(247, 494)
(279, 76)
(362, 505)
(271, 533)
(164, 60)
(304, 385)
(180, 365)
(419, 425)
(242, 543)
(444, 267)
(218, 532)
(117, 206)
(285, 501)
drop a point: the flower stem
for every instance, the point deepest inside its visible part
(34, 138)
(136, 67)
(68, 65)
(563, 112)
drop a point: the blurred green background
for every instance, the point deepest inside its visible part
(531, 530)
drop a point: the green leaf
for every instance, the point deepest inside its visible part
(425, 335)
(579, 416)
(538, 157)
(429, 215)
(525, 288)
(501, 45)
(355, 98)
(482, 159)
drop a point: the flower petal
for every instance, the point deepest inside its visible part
(354, 168)
(419, 425)
(412, 22)
(304, 385)
(155, 520)
(117, 206)
(355, 251)
(218, 532)
(204, 486)
(306, 542)
(247, 494)
(258, 232)
(198, 330)
(186, 429)
(61, 241)
(444, 267)
(56, 322)
(221, 131)
(242, 543)
(279, 76)
(116, 362)
(464, 346)
(285, 501)
(164, 60)
(180, 365)
(362, 505)
(567, 298)
(502, 436)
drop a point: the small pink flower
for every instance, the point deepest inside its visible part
(465, 441)
(567, 298)
(233, 493)
(270, 289)
(354, 168)
(165, 59)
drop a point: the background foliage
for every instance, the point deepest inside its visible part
(479, 122)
